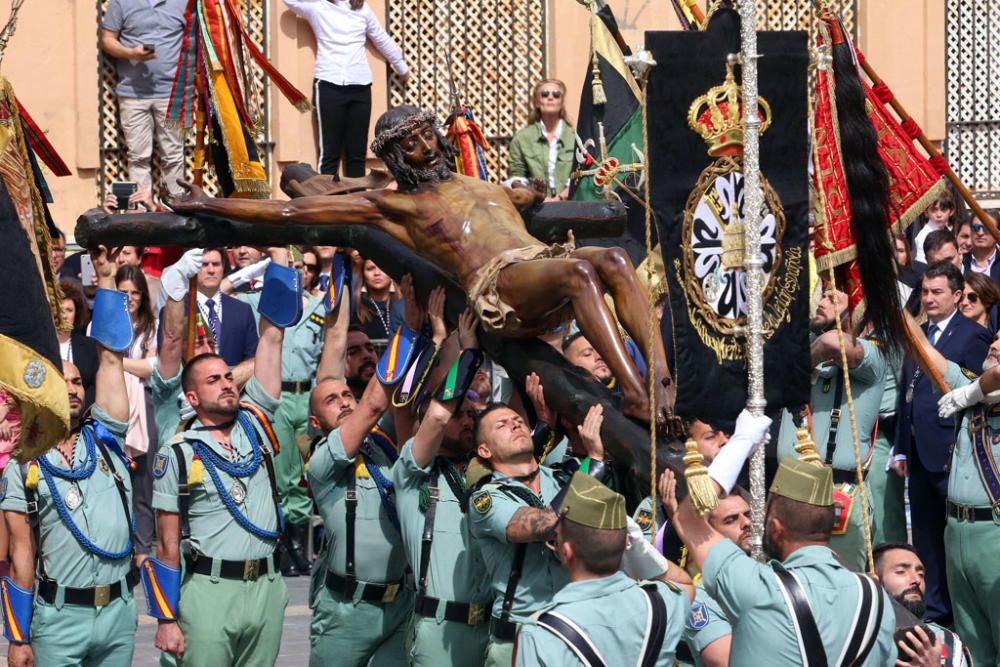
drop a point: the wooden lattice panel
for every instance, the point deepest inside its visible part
(972, 68)
(114, 157)
(497, 49)
(802, 14)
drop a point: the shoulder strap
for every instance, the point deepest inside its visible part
(351, 505)
(807, 634)
(831, 438)
(31, 509)
(122, 492)
(183, 498)
(515, 576)
(427, 538)
(868, 618)
(573, 636)
(982, 449)
(269, 464)
(656, 627)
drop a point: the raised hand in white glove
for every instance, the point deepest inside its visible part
(176, 277)
(641, 560)
(750, 432)
(959, 399)
(240, 278)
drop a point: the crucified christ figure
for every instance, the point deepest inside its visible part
(472, 231)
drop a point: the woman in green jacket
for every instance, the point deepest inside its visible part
(544, 149)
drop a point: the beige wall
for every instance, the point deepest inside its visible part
(52, 64)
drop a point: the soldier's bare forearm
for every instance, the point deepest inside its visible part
(532, 525)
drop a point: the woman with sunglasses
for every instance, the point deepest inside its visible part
(980, 299)
(544, 149)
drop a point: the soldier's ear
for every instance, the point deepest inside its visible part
(483, 452)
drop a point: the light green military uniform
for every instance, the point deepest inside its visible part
(226, 621)
(491, 509)
(954, 652)
(643, 516)
(886, 487)
(972, 566)
(166, 404)
(763, 633)
(867, 386)
(64, 634)
(455, 572)
(353, 631)
(611, 610)
(706, 623)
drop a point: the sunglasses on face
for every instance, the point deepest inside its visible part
(311, 267)
(554, 94)
(978, 227)
(971, 297)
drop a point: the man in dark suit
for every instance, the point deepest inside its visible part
(982, 257)
(230, 320)
(923, 440)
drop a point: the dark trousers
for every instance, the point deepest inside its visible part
(343, 114)
(142, 487)
(928, 492)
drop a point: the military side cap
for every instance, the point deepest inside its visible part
(804, 482)
(590, 503)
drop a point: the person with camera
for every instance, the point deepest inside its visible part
(144, 39)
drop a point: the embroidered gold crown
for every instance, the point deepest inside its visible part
(718, 117)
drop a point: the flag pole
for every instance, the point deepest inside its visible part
(754, 263)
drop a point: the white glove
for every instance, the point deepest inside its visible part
(641, 560)
(176, 277)
(961, 398)
(750, 432)
(240, 278)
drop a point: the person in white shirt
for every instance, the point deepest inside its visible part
(938, 217)
(342, 80)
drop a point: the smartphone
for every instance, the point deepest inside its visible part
(149, 48)
(88, 277)
(122, 190)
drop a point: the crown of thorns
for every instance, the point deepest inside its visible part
(403, 129)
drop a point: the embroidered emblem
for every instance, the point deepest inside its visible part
(34, 374)
(967, 373)
(483, 502)
(699, 616)
(160, 465)
(644, 519)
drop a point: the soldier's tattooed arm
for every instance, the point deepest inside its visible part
(532, 525)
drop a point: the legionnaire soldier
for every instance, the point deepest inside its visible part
(75, 503)
(602, 617)
(810, 609)
(973, 499)
(830, 420)
(450, 623)
(359, 603)
(215, 494)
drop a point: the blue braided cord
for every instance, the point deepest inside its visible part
(111, 442)
(386, 446)
(237, 468)
(384, 487)
(82, 471)
(228, 501)
(75, 530)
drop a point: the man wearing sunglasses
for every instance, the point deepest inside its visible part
(982, 258)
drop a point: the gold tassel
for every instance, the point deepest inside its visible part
(599, 97)
(806, 448)
(31, 478)
(197, 473)
(701, 491)
(360, 469)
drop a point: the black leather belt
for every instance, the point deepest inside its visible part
(968, 512)
(298, 387)
(240, 570)
(503, 630)
(847, 476)
(384, 593)
(475, 613)
(99, 596)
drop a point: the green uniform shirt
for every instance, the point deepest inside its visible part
(867, 386)
(166, 404)
(100, 517)
(965, 487)
(303, 343)
(611, 612)
(706, 623)
(214, 531)
(491, 509)
(378, 548)
(763, 634)
(529, 155)
(456, 571)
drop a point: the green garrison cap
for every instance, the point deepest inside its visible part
(590, 503)
(804, 482)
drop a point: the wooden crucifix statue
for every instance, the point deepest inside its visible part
(472, 231)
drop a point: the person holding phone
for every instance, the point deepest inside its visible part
(144, 38)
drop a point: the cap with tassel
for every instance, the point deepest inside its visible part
(701, 490)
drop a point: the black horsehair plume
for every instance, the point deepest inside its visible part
(868, 192)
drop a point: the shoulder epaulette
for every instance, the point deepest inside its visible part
(316, 318)
(967, 373)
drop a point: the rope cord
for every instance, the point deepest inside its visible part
(651, 315)
(382, 483)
